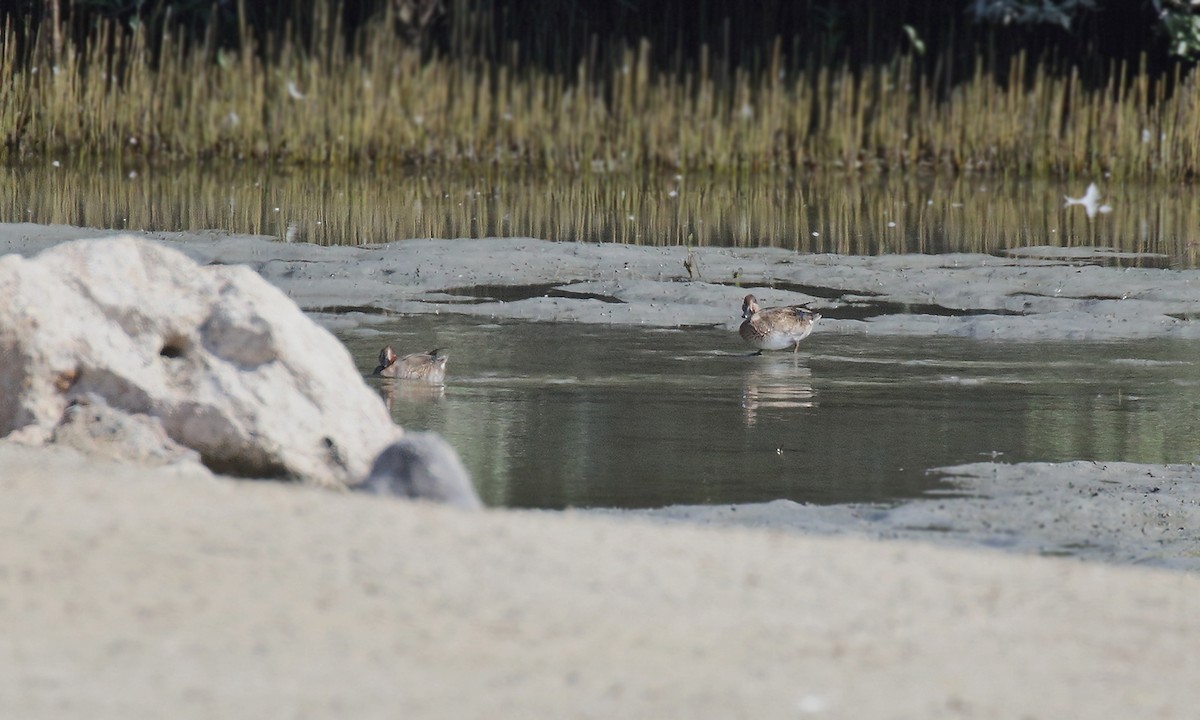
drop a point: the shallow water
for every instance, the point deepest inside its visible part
(556, 415)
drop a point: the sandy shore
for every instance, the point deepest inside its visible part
(131, 591)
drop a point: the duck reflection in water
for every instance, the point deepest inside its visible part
(775, 384)
(410, 392)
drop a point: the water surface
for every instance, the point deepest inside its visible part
(556, 415)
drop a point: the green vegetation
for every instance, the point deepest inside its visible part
(320, 95)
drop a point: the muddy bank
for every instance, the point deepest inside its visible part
(1111, 512)
(1034, 293)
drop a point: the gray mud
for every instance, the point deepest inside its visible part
(1126, 513)
(1031, 293)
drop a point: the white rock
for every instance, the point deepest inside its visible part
(225, 361)
(92, 427)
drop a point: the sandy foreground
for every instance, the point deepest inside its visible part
(134, 592)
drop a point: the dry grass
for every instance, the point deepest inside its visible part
(380, 106)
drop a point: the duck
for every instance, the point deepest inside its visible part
(427, 367)
(775, 328)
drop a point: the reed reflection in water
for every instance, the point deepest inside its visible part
(864, 215)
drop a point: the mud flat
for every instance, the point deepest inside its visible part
(127, 590)
(1035, 293)
(1110, 512)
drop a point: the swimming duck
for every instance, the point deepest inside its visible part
(775, 328)
(427, 367)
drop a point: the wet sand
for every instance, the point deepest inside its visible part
(1109, 512)
(129, 590)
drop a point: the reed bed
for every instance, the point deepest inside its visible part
(378, 104)
(826, 212)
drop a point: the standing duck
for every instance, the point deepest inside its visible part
(775, 328)
(427, 367)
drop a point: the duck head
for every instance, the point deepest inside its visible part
(749, 306)
(387, 358)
